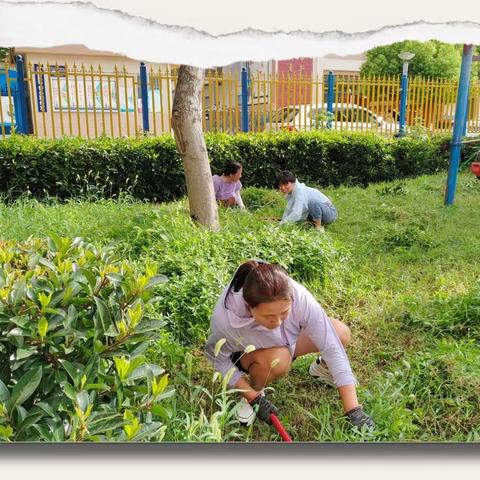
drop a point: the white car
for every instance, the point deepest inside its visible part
(312, 117)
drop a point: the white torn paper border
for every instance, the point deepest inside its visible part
(144, 30)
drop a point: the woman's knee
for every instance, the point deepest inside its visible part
(343, 332)
(276, 361)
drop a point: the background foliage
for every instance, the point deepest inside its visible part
(433, 59)
(150, 168)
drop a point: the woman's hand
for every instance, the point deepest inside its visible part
(265, 408)
(358, 418)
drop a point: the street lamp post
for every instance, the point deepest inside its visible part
(405, 57)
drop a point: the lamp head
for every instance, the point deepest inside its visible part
(406, 56)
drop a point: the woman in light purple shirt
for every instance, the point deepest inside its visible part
(262, 321)
(227, 186)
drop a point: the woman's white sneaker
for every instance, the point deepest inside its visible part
(320, 371)
(244, 412)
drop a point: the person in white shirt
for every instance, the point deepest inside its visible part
(305, 203)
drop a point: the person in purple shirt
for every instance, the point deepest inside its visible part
(227, 186)
(262, 321)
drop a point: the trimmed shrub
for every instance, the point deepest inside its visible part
(150, 168)
(147, 168)
(74, 325)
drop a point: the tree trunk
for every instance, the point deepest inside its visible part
(187, 128)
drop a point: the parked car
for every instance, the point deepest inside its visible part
(311, 117)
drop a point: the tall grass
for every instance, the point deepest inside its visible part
(398, 267)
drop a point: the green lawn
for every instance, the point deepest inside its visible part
(398, 267)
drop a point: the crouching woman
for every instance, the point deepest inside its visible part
(264, 308)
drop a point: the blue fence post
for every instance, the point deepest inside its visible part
(403, 105)
(244, 100)
(464, 132)
(20, 99)
(330, 95)
(459, 123)
(144, 97)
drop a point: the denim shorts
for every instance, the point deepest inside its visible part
(325, 212)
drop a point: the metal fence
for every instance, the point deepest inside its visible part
(77, 100)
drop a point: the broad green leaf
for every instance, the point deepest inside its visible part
(17, 292)
(140, 349)
(132, 428)
(25, 353)
(45, 433)
(135, 314)
(147, 325)
(159, 386)
(42, 327)
(156, 280)
(53, 241)
(21, 413)
(91, 369)
(15, 336)
(85, 277)
(28, 421)
(135, 362)
(44, 299)
(33, 261)
(102, 423)
(4, 394)
(6, 431)
(48, 264)
(111, 332)
(104, 313)
(83, 400)
(70, 392)
(122, 364)
(161, 411)
(71, 317)
(96, 386)
(73, 371)
(115, 278)
(147, 370)
(167, 394)
(22, 321)
(148, 431)
(25, 387)
(46, 408)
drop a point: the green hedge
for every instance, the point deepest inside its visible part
(150, 168)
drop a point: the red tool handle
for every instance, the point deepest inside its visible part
(278, 425)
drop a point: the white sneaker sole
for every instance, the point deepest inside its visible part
(321, 373)
(245, 413)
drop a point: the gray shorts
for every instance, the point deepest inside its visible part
(325, 212)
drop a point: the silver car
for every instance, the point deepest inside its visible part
(316, 117)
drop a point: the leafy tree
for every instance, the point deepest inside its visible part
(3, 53)
(432, 59)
